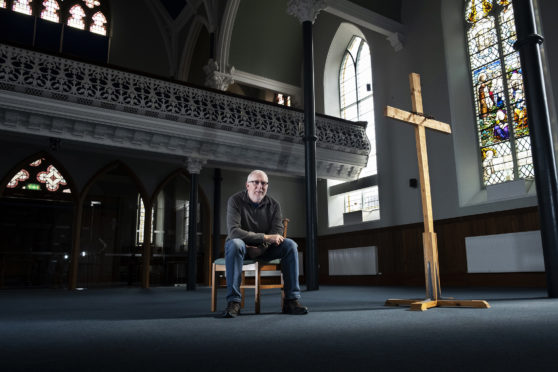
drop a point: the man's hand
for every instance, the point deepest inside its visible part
(274, 239)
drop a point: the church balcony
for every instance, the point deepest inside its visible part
(51, 96)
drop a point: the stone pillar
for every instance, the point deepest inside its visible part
(217, 179)
(528, 44)
(194, 167)
(306, 11)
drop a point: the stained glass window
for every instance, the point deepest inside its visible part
(501, 112)
(2, 3)
(91, 3)
(98, 25)
(76, 17)
(22, 6)
(50, 11)
(40, 179)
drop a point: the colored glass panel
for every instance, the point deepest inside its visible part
(2, 4)
(50, 11)
(498, 92)
(22, 6)
(76, 17)
(39, 175)
(91, 3)
(98, 26)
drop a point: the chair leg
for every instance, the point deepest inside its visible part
(213, 290)
(242, 283)
(282, 292)
(257, 279)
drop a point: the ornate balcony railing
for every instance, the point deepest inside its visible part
(64, 80)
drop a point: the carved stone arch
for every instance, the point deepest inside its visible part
(206, 216)
(50, 158)
(109, 167)
(189, 48)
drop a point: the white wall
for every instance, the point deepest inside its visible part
(434, 47)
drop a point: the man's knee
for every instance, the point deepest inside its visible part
(290, 246)
(234, 246)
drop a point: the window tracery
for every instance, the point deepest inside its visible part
(50, 11)
(93, 17)
(22, 6)
(98, 25)
(39, 176)
(77, 17)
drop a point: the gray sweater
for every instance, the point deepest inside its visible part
(250, 222)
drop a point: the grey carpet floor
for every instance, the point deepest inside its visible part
(347, 329)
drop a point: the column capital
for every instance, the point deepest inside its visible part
(194, 165)
(305, 10)
(217, 78)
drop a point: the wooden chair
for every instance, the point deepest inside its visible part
(249, 265)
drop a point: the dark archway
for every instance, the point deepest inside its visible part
(108, 250)
(170, 232)
(37, 204)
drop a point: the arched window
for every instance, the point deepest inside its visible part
(22, 6)
(50, 11)
(98, 24)
(356, 202)
(91, 3)
(76, 17)
(40, 180)
(82, 14)
(497, 81)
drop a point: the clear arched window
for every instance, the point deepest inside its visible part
(50, 11)
(497, 80)
(356, 104)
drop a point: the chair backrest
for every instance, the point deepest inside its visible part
(285, 226)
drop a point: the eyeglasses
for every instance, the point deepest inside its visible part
(263, 183)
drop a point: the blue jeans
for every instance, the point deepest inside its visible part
(235, 250)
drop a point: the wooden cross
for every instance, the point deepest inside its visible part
(429, 240)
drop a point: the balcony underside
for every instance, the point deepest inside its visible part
(43, 95)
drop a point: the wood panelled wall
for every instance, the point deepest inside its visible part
(400, 259)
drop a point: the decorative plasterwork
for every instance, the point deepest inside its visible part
(216, 79)
(194, 165)
(55, 97)
(394, 31)
(305, 10)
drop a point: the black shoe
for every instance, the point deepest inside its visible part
(232, 310)
(292, 307)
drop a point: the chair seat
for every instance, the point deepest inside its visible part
(277, 261)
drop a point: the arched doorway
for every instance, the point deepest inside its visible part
(110, 252)
(171, 203)
(37, 200)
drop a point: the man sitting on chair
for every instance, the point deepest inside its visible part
(254, 225)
